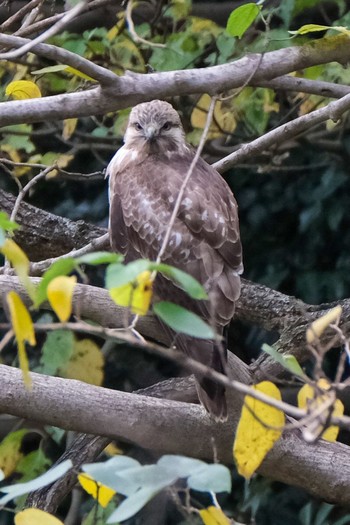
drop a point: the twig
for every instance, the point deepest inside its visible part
(27, 187)
(98, 243)
(191, 364)
(18, 16)
(53, 30)
(102, 75)
(186, 179)
(132, 31)
(179, 358)
(42, 24)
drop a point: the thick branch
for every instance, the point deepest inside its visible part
(45, 233)
(133, 88)
(77, 406)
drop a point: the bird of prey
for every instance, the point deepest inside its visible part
(145, 176)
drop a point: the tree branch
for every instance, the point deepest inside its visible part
(58, 54)
(44, 233)
(332, 111)
(53, 30)
(77, 406)
(133, 88)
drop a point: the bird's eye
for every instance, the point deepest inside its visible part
(138, 126)
(166, 126)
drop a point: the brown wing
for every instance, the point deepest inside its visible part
(205, 237)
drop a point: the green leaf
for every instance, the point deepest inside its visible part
(110, 474)
(131, 505)
(56, 351)
(288, 362)
(212, 478)
(156, 477)
(61, 267)
(118, 274)
(100, 258)
(18, 489)
(183, 321)
(242, 18)
(186, 281)
(33, 464)
(181, 465)
(18, 136)
(6, 224)
(309, 28)
(50, 69)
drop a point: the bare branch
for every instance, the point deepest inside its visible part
(333, 111)
(102, 75)
(305, 85)
(86, 408)
(53, 30)
(136, 38)
(133, 88)
(20, 14)
(96, 244)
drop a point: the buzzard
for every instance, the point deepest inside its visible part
(145, 176)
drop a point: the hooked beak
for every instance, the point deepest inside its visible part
(150, 133)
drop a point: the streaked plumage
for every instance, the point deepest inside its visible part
(145, 177)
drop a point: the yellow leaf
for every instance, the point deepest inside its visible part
(18, 171)
(310, 398)
(98, 491)
(16, 256)
(213, 516)
(223, 122)
(86, 363)
(60, 295)
(34, 516)
(113, 450)
(24, 331)
(317, 328)
(136, 296)
(22, 89)
(69, 126)
(10, 451)
(20, 262)
(253, 437)
(78, 73)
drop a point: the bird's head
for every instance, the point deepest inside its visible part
(155, 127)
